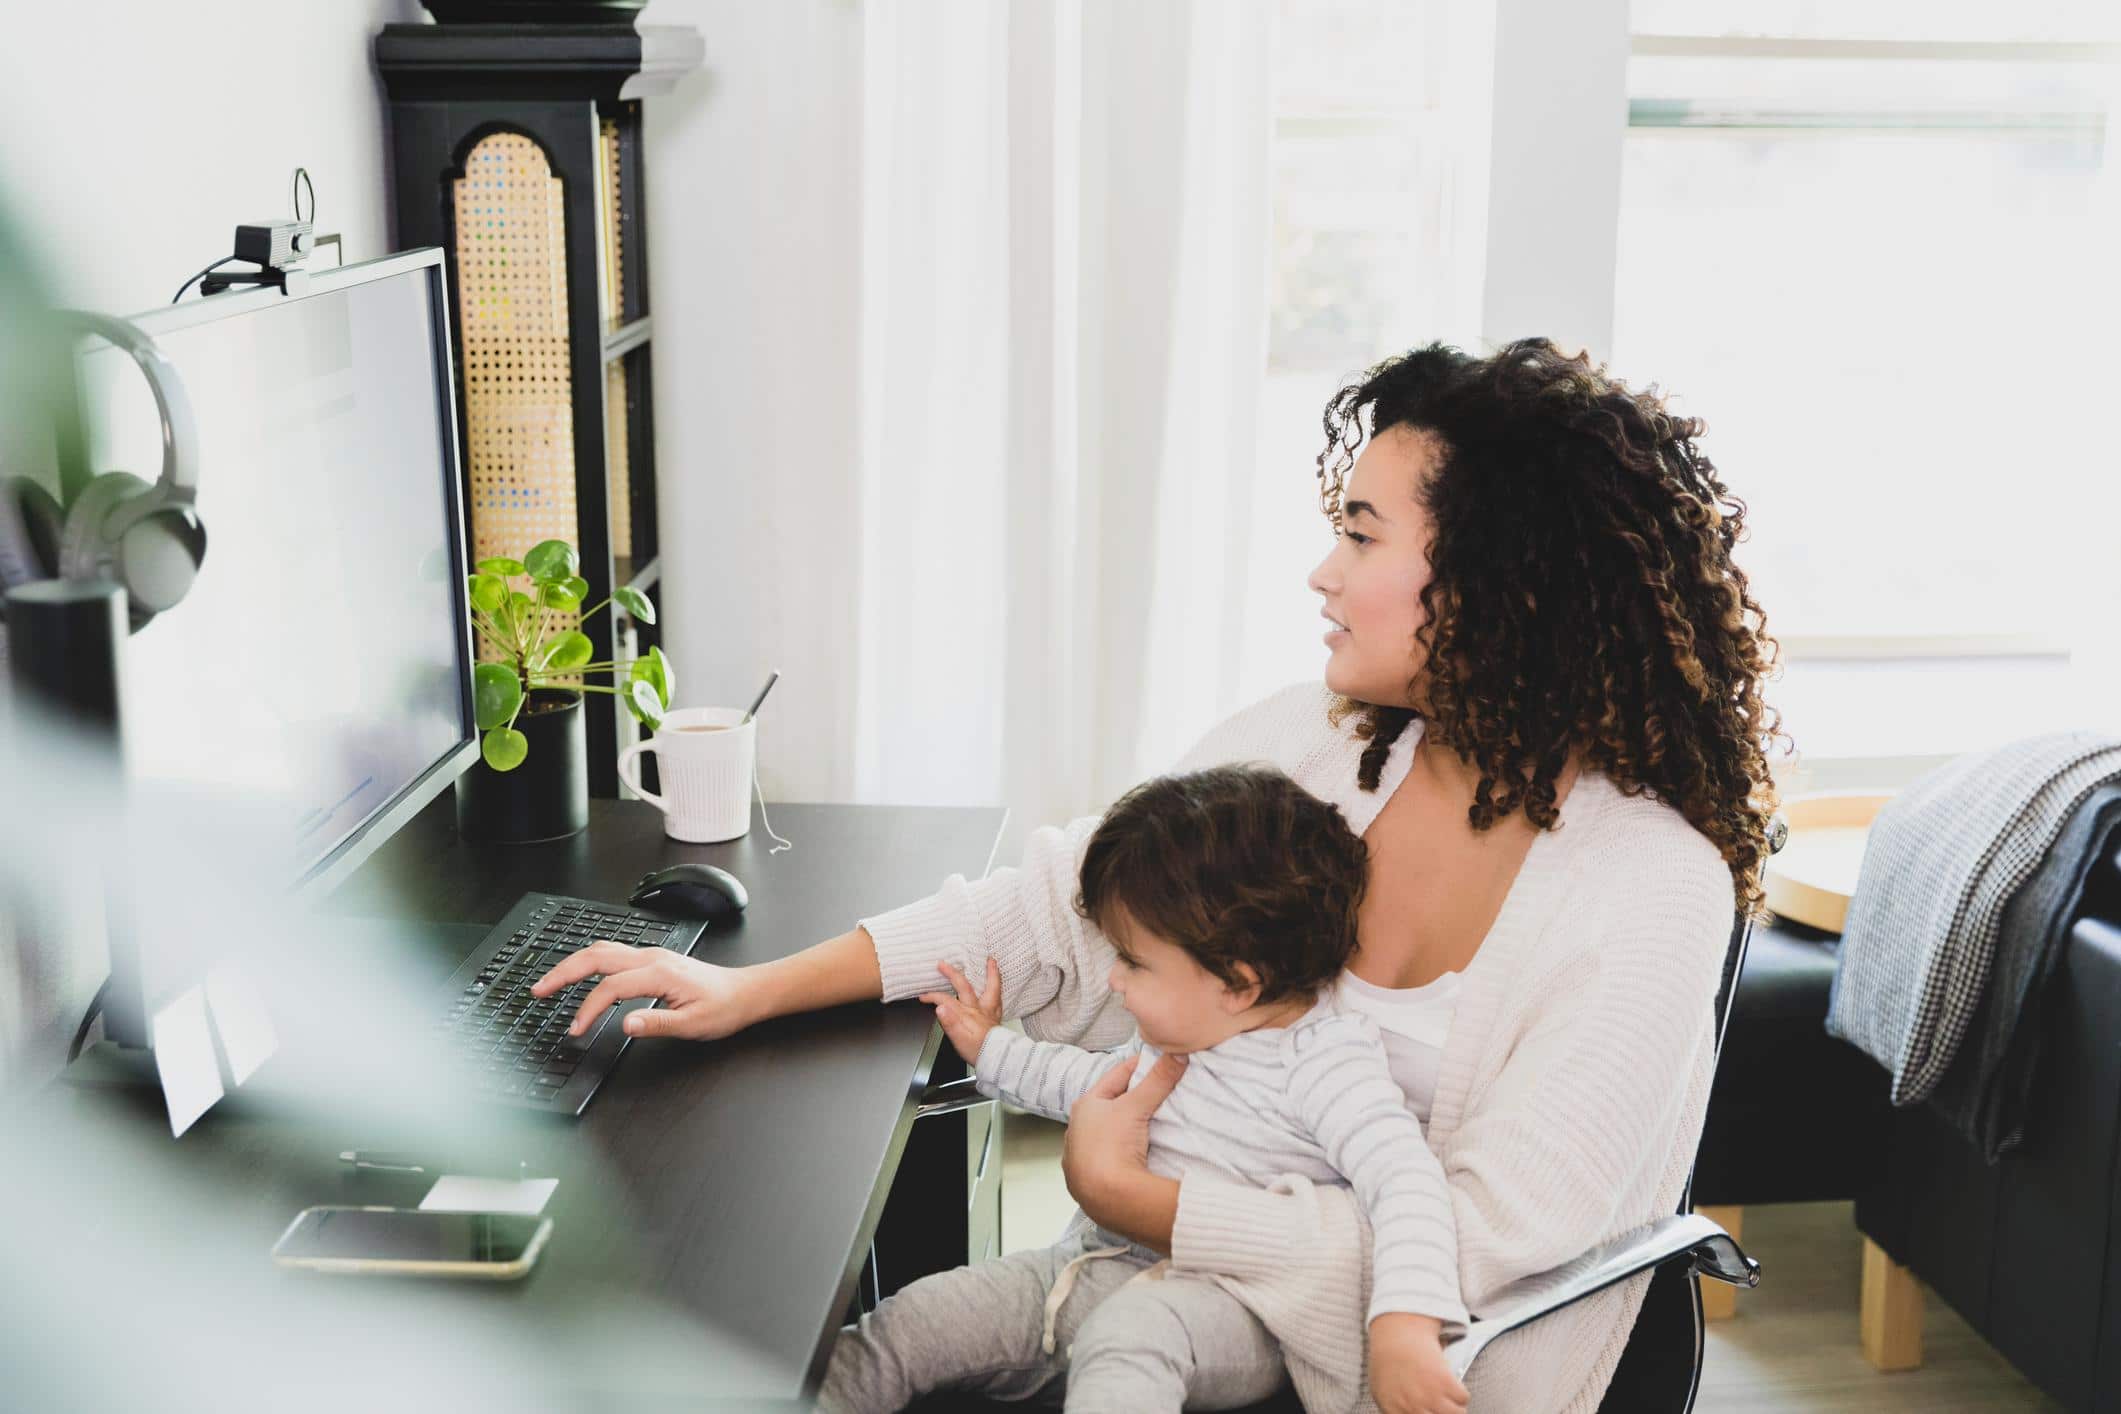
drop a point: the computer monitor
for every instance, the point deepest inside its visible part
(320, 667)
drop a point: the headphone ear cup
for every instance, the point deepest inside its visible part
(159, 558)
(83, 552)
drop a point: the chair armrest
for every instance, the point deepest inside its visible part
(1706, 1245)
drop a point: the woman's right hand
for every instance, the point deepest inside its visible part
(1105, 1154)
(697, 1001)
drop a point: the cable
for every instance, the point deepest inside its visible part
(296, 183)
(784, 844)
(200, 276)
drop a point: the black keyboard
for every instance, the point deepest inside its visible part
(513, 1048)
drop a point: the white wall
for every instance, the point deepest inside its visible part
(1561, 114)
(135, 134)
(754, 191)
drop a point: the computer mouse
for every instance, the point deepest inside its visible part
(691, 891)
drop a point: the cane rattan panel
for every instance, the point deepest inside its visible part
(511, 263)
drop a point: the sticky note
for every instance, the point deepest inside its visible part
(184, 1054)
(461, 1193)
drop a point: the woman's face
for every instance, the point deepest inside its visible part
(1373, 578)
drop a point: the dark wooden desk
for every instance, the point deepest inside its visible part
(735, 1186)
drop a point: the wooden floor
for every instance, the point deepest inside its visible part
(1791, 1347)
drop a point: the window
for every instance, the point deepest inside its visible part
(1874, 246)
(1881, 265)
(1379, 194)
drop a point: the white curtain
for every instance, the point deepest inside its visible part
(1064, 328)
(960, 324)
(961, 355)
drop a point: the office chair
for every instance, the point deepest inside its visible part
(1660, 1368)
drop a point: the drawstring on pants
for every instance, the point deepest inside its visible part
(1065, 1283)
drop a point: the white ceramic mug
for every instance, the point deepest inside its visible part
(704, 760)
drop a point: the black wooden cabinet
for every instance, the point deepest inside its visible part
(517, 150)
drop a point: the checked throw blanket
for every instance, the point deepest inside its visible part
(1944, 858)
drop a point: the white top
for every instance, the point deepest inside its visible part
(1414, 1022)
(1569, 1095)
(1315, 1097)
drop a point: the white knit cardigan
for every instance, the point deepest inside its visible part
(1572, 1085)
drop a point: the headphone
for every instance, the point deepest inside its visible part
(145, 537)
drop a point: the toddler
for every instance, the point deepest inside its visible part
(1230, 897)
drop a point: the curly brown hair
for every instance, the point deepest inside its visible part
(1583, 594)
(1235, 864)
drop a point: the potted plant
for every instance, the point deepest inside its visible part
(531, 781)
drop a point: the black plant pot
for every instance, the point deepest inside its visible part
(545, 798)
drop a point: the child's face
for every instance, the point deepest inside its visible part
(1179, 1005)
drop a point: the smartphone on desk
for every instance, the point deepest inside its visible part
(413, 1242)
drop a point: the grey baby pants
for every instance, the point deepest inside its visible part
(1120, 1346)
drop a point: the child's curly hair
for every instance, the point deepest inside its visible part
(1582, 595)
(1235, 864)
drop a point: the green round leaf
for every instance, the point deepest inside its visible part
(634, 602)
(504, 748)
(645, 704)
(557, 595)
(563, 651)
(655, 670)
(549, 560)
(495, 691)
(666, 681)
(488, 591)
(580, 586)
(501, 565)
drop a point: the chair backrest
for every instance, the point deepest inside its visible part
(1660, 1370)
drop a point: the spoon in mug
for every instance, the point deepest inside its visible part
(776, 677)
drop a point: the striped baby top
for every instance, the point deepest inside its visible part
(1315, 1098)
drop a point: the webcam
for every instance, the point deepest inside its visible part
(275, 244)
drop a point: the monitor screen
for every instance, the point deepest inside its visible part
(319, 668)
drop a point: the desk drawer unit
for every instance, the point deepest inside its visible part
(945, 1207)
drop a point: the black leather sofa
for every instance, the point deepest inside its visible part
(2029, 1250)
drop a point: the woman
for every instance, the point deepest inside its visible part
(1542, 711)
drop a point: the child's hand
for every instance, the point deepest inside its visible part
(968, 1016)
(1408, 1374)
